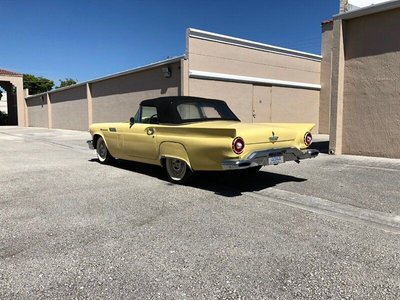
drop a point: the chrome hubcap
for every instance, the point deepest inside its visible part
(102, 150)
(176, 168)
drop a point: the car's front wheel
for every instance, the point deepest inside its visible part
(177, 170)
(103, 154)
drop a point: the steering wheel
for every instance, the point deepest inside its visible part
(152, 119)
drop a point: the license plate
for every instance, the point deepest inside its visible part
(274, 160)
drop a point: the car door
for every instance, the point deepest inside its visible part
(138, 140)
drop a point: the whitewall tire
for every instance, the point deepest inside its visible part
(103, 155)
(177, 170)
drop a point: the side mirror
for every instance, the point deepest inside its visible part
(131, 121)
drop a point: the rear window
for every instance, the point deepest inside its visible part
(205, 111)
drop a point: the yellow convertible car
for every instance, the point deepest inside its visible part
(188, 134)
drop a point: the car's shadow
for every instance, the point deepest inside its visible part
(232, 184)
(228, 183)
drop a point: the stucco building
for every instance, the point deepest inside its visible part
(260, 82)
(365, 81)
(11, 83)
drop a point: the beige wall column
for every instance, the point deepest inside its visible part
(337, 84)
(184, 77)
(90, 104)
(22, 109)
(326, 71)
(21, 105)
(49, 112)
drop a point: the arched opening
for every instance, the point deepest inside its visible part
(8, 104)
(3, 107)
(12, 102)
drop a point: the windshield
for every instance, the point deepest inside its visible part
(195, 111)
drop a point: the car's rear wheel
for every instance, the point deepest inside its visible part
(103, 154)
(177, 170)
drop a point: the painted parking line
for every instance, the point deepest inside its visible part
(384, 221)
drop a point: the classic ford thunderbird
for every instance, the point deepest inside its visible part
(188, 134)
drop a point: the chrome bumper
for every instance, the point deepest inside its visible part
(260, 158)
(90, 144)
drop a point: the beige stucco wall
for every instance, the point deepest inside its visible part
(326, 71)
(244, 97)
(294, 105)
(237, 95)
(118, 98)
(371, 102)
(17, 109)
(337, 83)
(217, 57)
(37, 111)
(269, 84)
(69, 108)
(280, 104)
(113, 98)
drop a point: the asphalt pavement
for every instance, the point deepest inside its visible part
(71, 228)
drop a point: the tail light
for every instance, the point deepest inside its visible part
(308, 139)
(238, 145)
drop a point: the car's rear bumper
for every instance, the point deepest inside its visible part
(90, 144)
(261, 158)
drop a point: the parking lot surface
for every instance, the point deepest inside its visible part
(327, 228)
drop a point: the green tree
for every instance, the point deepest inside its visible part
(66, 82)
(37, 85)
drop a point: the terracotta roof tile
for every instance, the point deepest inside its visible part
(9, 73)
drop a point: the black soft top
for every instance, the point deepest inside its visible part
(168, 113)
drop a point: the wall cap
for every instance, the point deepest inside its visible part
(130, 71)
(369, 10)
(229, 40)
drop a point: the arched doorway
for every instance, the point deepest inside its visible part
(11, 86)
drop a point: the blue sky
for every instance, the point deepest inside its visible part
(87, 39)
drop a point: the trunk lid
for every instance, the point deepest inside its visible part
(261, 133)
